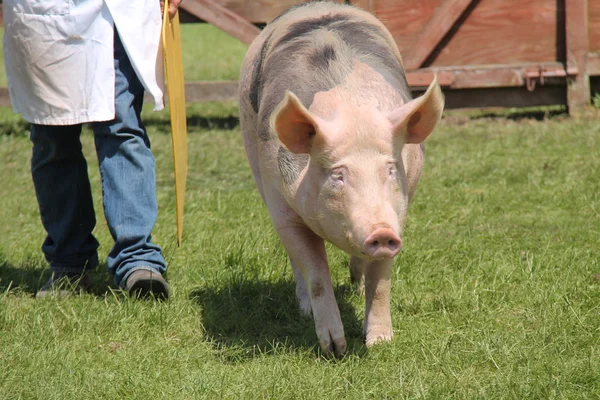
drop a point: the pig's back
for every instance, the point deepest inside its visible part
(312, 48)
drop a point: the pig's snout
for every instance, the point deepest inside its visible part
(383, 243)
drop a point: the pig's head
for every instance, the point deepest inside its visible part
(355, 188)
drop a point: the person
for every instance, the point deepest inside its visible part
(70, 62)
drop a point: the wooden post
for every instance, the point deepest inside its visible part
(578, 45)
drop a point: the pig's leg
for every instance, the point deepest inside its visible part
(301, 291)
(307, 254)
(357, 273)
(378, 319)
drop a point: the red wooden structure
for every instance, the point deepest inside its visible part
(486, 53)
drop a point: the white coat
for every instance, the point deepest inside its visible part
(59, 56)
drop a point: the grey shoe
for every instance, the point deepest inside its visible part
(63, 284)
(145, 283)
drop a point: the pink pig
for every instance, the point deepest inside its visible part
(335, 145)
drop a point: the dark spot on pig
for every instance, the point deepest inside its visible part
(282, 65)
(257, 84)
(302, 28)
(321, 58)
(317, 289)
(264, 133)
(367, 39)
(290, 165)
(370, 40)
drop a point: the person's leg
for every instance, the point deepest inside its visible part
(127, 168)
(62, 188)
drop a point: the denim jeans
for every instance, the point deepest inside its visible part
(127, 169)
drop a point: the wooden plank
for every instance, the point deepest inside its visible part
(593, 64)
(196, 92)
(201, 91)
(594, 24)
(493, 31)
(471, 77)
(224, 19)
(405, 19)
(504, 97)
(578, 45)
(506, 32)
(444, 17)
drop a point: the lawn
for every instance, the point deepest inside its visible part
(495, 295)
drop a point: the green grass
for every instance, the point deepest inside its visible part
(495, 295)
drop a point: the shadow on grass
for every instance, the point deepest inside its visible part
(30, 276)
(251, 317)
(195, 121)
(538, 115)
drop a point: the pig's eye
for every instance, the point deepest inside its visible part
(392, 169)
(337, 175)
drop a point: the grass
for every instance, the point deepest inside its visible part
(496, 294)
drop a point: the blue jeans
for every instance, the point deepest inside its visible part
(127, 169)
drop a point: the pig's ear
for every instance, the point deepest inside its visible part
(294, 124)
(417, 118)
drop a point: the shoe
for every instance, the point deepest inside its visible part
(144, 283)
(63, 284)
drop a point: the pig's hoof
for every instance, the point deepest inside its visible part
(377, 336)
(336, 347)
(332, 339)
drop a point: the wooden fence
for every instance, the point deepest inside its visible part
(486, 53)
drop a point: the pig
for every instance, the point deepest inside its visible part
(335, 144)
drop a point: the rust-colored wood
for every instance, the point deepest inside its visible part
(504, 97)
(593, 64)
(224, 19)
(489, 32)
(594, 24)
(405, 19)
(505, 31)
(530, 76)
(444, 17)
(196, 92)
(201, 91)
(578, 45)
